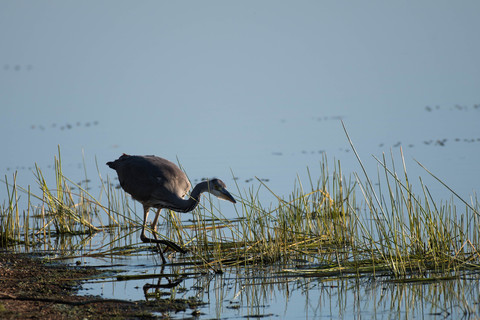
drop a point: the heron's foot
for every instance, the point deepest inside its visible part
(170, 244)
(173, 246)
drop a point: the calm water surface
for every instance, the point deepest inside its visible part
(270, 293)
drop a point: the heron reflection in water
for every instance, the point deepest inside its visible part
(158, 183)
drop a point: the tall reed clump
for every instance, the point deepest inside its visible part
(308, 224)
(66, 208)
(10, 226)
(415, 232)
(389, 229)
(402, 231)
(67, 214)
(319, 218)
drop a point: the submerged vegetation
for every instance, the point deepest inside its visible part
(319, 230)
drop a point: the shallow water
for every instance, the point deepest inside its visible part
(271, 293)
(243, 90)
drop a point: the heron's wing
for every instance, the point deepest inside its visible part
(152, 179)
(169, 175)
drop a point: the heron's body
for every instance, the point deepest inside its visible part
(158, 183)
(152, 180)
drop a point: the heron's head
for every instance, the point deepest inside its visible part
(219, 189)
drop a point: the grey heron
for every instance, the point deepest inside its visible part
(158, 183)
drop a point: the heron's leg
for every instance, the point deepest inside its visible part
(168, 243)
(148, 240)
(154, 223)
(145, 216)
(156, 240)
(154, 229)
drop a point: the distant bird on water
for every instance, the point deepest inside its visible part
(158, 183)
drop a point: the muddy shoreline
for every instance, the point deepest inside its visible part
(32, 288)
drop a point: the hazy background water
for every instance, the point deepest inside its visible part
(253, 87)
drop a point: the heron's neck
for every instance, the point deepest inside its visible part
(194, 200)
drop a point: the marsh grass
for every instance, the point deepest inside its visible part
(322, 228)
(65, 209)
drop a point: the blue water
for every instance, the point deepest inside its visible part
(240, 293)
(244, 90)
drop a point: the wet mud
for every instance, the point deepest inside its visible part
(32, 288)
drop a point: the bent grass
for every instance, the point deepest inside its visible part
(319, 230)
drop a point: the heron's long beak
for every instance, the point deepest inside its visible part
(225, 195)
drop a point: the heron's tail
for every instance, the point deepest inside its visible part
(114, 164)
